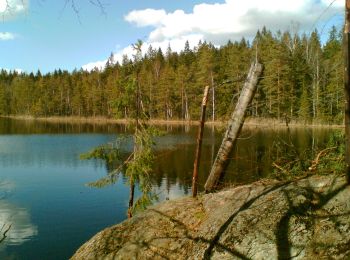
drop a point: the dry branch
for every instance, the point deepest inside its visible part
(5, 232)
(315, 162)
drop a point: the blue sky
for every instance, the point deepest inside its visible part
(44, 35)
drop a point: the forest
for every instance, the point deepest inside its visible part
(302, 81)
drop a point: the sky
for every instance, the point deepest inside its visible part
(65, 34)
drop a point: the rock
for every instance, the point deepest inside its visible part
(304, 219)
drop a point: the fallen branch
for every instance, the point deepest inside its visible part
(315, 162)
(280, 168)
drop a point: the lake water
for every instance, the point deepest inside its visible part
(43, 182)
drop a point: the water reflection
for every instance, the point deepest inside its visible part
(43, 160)
(42, 150)
(250, 161)
(14, 218)
(14, 126)
(21, 229)
(165, 191)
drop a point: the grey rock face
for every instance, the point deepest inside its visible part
(304, 219)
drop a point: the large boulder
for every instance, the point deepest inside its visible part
(304, 219)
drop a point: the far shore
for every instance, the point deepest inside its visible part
(249, 122)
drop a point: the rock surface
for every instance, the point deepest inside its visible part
(304, 219)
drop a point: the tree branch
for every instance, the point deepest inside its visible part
(5, 232)
(315, 162)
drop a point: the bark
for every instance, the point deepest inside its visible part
(182, 101)
(213, 95)
(187, 115)
(347, 86)
(199, 143)
(131, 199)
(234, 127)
(278, 94)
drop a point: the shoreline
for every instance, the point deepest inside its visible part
(249, 122)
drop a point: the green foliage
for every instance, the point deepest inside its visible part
(140, 166)
(299, 71)
(112, 156)
(290, 162)
(137, 167)
(304, 108)
(334, 160)
(146, 199)
(106, 153)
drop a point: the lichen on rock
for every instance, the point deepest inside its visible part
(303, 219)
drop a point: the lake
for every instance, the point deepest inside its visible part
(43, 182)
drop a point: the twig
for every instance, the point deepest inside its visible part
(100, 5)
(317, 159)
(76, 10)
(5, 232)
(280, 168)
(122, 165)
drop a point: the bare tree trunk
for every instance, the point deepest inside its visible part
(187, 116)
(278, 94)
(61, 103)
(131, 198)
(234, 127)
(213, 89)
(150, 101)
(347, 86)
(69, 110)
(292, 101)
(313, 99)
(199, 143)
(317, 88)
(213, 144)
(182, 101)
(331, 108)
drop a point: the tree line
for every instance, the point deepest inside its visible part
(302, 80)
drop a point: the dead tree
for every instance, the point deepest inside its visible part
(199, 143)
(234, 127)
(347, 86)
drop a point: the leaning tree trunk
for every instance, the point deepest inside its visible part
(234, 127)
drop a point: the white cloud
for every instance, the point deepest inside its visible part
(19, 71)
(230, 20)
(152, 17)
(99, 65)
(19, 219)
(12, 8)
(176, 45)
(5, 36)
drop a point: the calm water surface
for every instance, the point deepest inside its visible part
(52, 211)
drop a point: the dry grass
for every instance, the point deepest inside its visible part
(249, 122)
